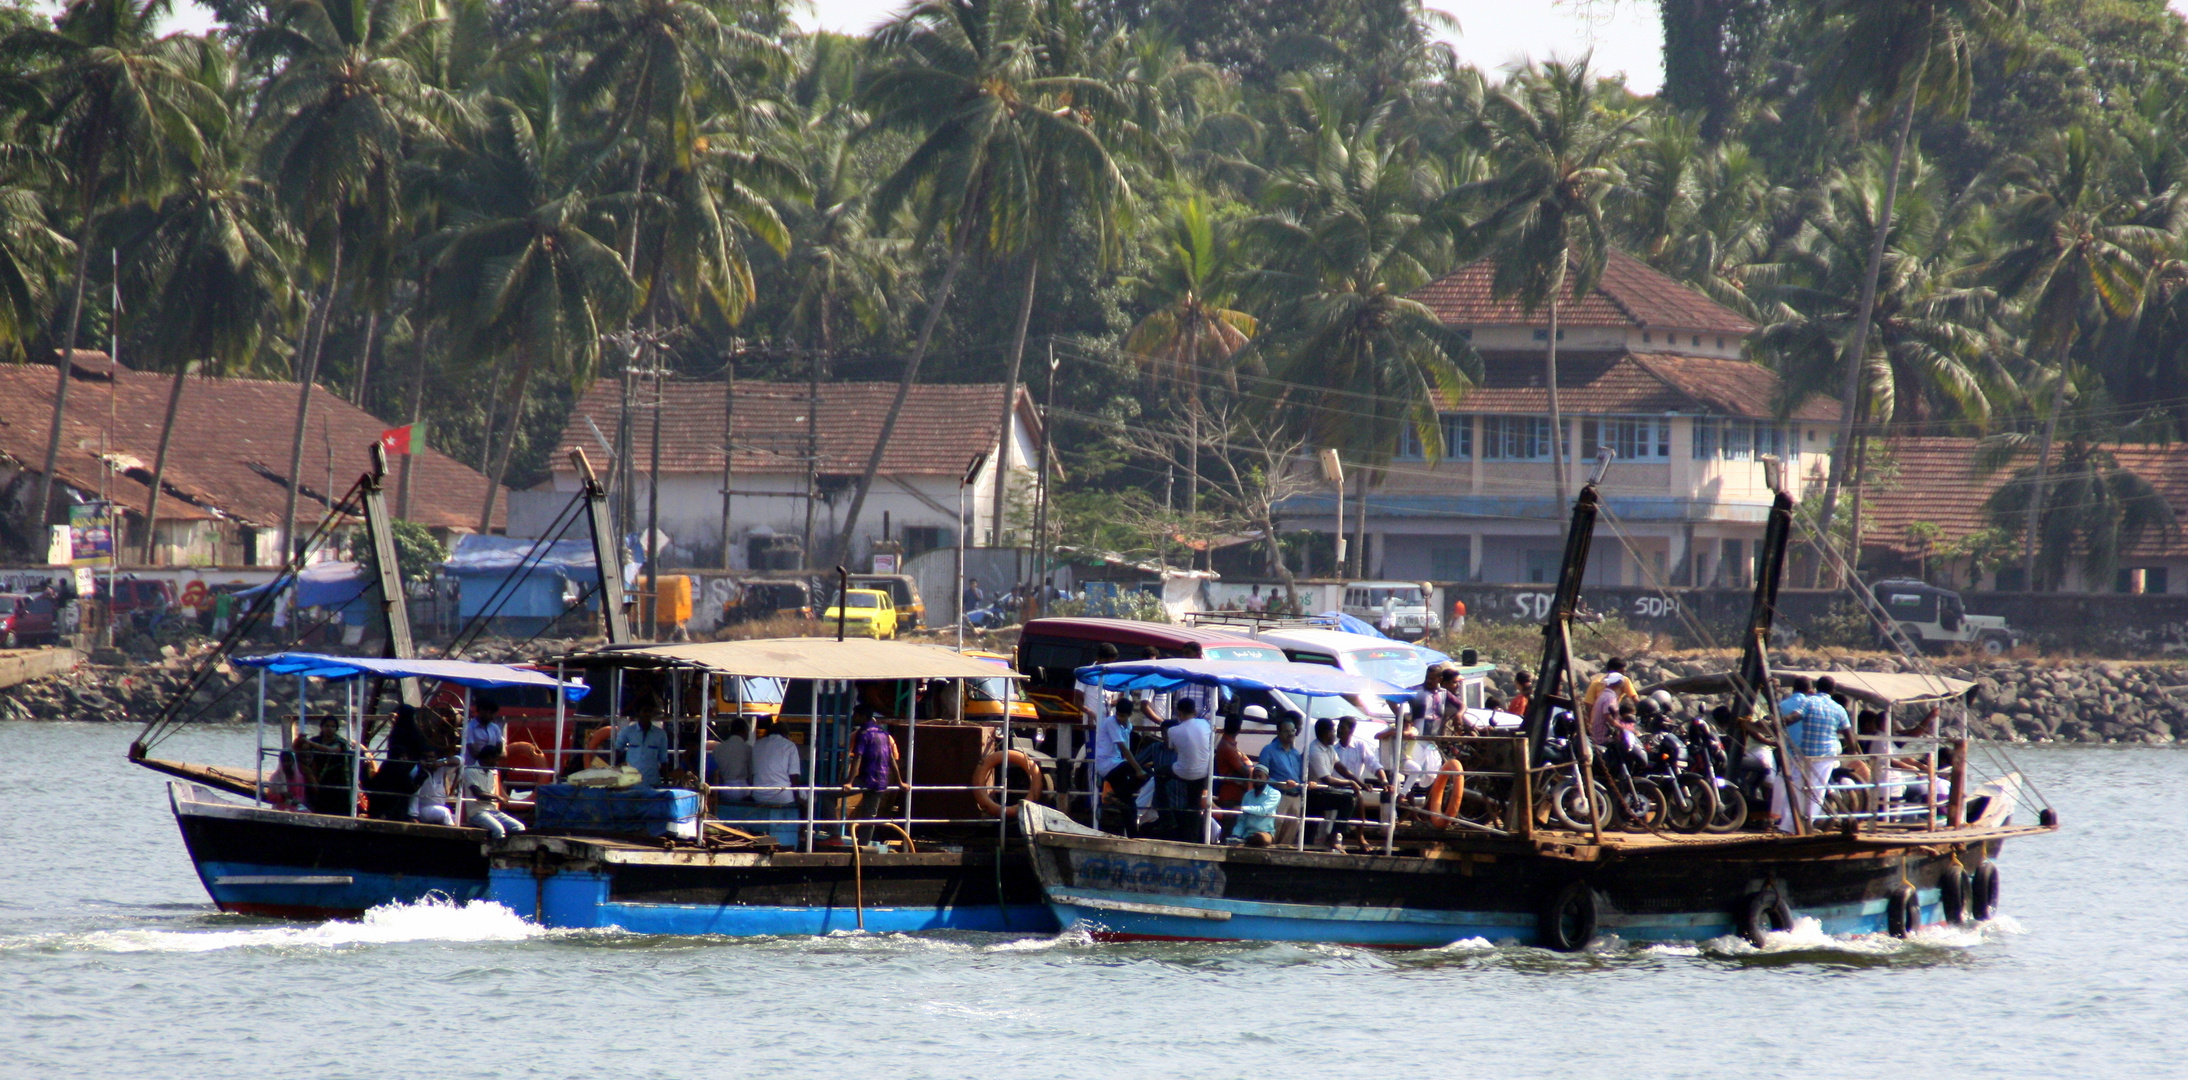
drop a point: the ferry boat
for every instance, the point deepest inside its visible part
(1875, 861)
(942, 858)
(255, 859)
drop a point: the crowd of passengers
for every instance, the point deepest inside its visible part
(429, 769)
(1174, 777)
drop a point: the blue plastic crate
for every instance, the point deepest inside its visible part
(641, 810)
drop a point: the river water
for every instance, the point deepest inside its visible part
(113, 963)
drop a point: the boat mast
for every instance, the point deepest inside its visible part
(606, 562)
(1751, 679)
(1557, 645)
(394, 612)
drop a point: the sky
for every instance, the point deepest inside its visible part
(1622, 34)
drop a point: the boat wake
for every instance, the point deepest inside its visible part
(426, 920)
(1807, 938)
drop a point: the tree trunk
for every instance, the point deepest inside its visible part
(2036, 497)
(159, 466)
(1853, 513)
(903, 391)
(1010, 391)
(1557, 416)
(315, 337)
(1857, 344)
(66, 360)
(360, 392)
(417, 409)
(516, 432)
(812, 430)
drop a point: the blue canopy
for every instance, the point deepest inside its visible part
(1306, 680)
(460, 672)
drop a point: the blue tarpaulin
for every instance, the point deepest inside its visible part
(460, 672)
(1351, 625)
(1306, 680)
(486, 566)
(326, 584)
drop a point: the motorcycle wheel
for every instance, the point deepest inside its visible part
(1731, 813)
(1570, 810)
(1641, 807)
(1692, 804)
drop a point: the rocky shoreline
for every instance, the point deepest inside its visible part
(2019, 700)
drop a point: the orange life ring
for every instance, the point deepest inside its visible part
(599, 740)
(1449, 788)
(984, 778)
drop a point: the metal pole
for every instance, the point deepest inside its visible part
(562, 742)
(357, 745)
(812, 765)
(706, 716)
(258, 789)
(653, 512)
(463, 756)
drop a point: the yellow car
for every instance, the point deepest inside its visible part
(870, 614)
(985, 702)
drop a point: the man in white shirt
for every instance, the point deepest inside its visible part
(482, 795)
(731, 758)
(1194, 743)
(1332, 792)
(484, 729)
(776, 768)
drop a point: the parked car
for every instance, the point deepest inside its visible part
(1932, 618)
(911, 611)
(758, 601)
(27, 620)
(865, 613)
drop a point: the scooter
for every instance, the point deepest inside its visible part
(1708, 759)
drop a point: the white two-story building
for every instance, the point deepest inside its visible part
(1646, 366)
(769, 496)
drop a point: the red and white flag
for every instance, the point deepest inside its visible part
(396, 440)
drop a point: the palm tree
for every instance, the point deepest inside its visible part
(1557, 145)
(2073, 253)
(1892, 56)
(339, 115)
(1193, 333)
(1006, 145)
(528, 268)
(2090, 506)
(1344, 242)
(211, 262)
(121, 114)
(1701, 212)
(31, 252)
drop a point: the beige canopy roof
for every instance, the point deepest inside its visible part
(1874, 687)
(812, 658)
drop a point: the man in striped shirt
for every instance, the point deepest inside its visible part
(1815, 729)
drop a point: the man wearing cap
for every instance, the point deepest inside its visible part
(1612, 689)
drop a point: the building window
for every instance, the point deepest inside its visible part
(1632, 438)
(1544, 335)
(919, 539)
(1542, 566)
(1451, 562)
(1705, 438)
(1515, 438)
(1458, 436)
(1458, 439)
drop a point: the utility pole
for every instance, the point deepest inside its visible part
(812, 449)
(653, 502)
(729, 448)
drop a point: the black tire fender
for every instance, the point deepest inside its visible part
(1952, 895)
(1983, 897)
(1568, 922)
(1765, 911)
(1902, 912)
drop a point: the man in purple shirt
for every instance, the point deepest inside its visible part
(872, 770)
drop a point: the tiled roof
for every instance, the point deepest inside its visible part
(1630, 293)
(1622, 382)
(1937, 483)
(230, 445)
(942, 426)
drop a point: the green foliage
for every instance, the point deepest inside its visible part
(416, 551)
